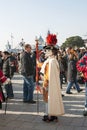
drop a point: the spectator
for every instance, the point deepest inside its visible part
(7, 72)
(34, 63)
(72, 73)
(3, 79)
(13, 64)
(27, 68)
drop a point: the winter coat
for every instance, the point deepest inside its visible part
(6, 67)
(51, 87)
(27, 66)
(72, 70)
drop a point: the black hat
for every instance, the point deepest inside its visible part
(50, 47)
(6, 52)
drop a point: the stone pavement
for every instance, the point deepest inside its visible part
(23, 116)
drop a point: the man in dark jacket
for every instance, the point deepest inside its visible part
(27, 69)
(7, 73)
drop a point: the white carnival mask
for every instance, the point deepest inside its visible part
(48, 53)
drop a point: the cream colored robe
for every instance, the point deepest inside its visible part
(55, 103)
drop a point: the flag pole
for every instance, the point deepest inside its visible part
(37, 76)
(6, 100)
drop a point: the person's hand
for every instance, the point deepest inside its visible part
(8, 81)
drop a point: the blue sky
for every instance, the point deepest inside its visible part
(29, 18)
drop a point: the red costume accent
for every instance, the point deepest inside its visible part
(3, 78)
(51, 39)
(82, 66)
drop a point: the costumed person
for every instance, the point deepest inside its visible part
(5, 80)
(82, 67)
(51, 84)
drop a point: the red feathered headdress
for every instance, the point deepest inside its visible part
(51, 39)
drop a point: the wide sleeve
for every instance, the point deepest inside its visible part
(82, 64)
(3, 78)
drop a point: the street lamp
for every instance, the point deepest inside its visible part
(22, 43)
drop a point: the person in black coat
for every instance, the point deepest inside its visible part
(27, 70)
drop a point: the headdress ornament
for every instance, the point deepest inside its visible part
(51, 41)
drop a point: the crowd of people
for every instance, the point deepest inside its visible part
(56, 66)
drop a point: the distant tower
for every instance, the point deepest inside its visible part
(41, 40)
(48, 32)
(8, 46)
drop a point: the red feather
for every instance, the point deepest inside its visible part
(51, 39)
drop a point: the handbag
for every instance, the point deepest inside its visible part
(80, 80)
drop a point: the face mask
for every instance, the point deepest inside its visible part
(48, 53)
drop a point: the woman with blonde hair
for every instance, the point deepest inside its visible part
(72, 73)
